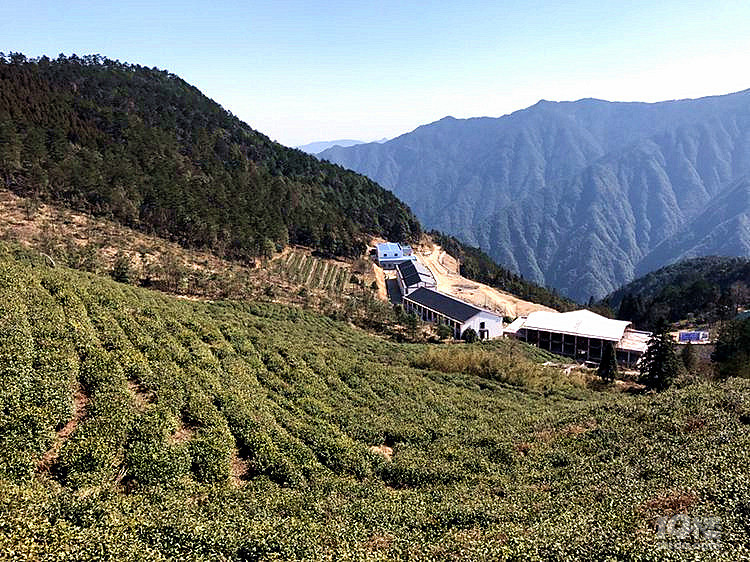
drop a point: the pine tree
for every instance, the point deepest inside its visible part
(122, 269)
(689, 359)
(659, 365)
(608, 366)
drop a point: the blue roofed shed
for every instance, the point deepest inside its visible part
(391, 253)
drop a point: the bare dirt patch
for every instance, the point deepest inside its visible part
(82, 241)
(383, 450)
(141, 396)
(184, 433)
(445, 268)
(238, 470)
(379, 542)
(548, 435)
(670, 502)
(80, 402)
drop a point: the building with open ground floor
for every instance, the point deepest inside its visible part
(580, 334)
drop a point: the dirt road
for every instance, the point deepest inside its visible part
(445, 269)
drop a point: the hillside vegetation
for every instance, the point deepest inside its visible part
(134, 425)
(702, 290)
(582, 196)
(144, 147)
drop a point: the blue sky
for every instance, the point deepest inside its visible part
(319, 70)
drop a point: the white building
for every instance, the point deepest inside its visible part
(580, 334)
(433, 306)
(390, 254)
(412, 275)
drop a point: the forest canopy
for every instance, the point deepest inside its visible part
(142, 146)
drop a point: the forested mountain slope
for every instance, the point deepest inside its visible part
(581, 196)
(135, 425)
(146, 148)
(702, 290)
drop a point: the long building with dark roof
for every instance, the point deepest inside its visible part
(412, 275)
(437, 307)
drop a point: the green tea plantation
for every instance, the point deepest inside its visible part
(138, 426)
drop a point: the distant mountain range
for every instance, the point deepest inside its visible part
(582, 196)
(320, 146)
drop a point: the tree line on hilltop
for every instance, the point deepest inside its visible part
(142, 146)
(702, 290)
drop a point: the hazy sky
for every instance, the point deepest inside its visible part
(318, 70)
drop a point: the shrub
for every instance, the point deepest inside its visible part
(659, 365)
(470, 335)
(732, 352)
(150, 457)
(210, 452)
(122, 268)
(444, 331)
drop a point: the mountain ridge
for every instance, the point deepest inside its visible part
(611, 179)
(319, 146)
(147, 148)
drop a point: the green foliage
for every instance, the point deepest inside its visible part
(411, 320)
(122, 268)
(505, 361)
(689, 358)
(311, 271)
(444, 331)
(659, 366)
(702, 290)
(240, 430)
(470, 335)
(607, 369)
(142, 146)
(732, 351)
(149, 456)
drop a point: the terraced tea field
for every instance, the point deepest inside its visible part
(135, 425)
(299, 267)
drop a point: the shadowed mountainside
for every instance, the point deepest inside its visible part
(581, 196)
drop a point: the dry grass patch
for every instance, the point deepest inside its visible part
(383, 450)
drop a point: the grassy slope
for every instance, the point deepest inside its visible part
(241, 431)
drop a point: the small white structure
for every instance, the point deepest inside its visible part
(433, 306)
(580, 334)
(391, 254)
(412, 275)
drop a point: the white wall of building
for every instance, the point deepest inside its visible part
(492, 324)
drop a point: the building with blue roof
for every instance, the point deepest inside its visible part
(391, 253)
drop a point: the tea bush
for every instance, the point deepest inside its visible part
(245, 431)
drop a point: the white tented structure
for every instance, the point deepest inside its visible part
(580, 334)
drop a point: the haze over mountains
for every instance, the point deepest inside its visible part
(320, 146)
(582, 196)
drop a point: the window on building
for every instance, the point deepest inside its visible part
(481, 325)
